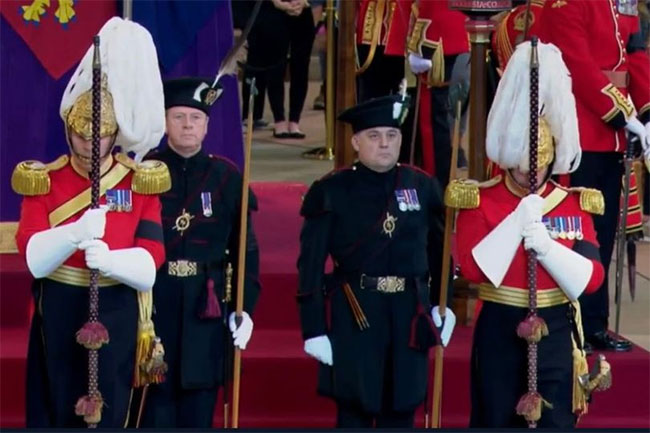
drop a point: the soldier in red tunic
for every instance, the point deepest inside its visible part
(437, 38)
(61, 239)
(382, 27)
(609, 68)
(503, 222)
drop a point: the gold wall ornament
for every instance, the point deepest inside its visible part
(79, 116)
(389, 225)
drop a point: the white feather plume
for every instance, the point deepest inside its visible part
(130, 63)
(507, 140)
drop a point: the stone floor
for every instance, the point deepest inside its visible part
(280, 160)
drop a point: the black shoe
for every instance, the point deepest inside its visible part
(284, 134)
(603, 341)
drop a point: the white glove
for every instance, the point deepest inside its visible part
(47, 250)
(447, 326)
(530, 209)
(570, 270)
(320, 348)
(242, 334)
(418, 64)
(635, 127)
(505, 238)
(536, 237)
(91, 225)
(131, 266)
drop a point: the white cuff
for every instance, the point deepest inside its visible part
(495, 252)
(570, 270)
(47, 250)
(134, 267)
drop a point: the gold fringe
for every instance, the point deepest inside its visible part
(436, 76)
(580, 367)
(462, 194)
(591, 200)
(30, 178)
(151, 177)
(146, 350)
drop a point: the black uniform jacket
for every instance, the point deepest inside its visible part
(209, 189)
(354, 217)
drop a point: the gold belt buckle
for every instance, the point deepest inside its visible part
(390, 284)
(181, 268)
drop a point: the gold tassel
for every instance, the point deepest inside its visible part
(580, 366)
(436, 76)
(149, 365)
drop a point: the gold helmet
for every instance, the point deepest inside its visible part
(79, 116)
(545, 144)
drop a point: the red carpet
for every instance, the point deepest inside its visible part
(279, 381)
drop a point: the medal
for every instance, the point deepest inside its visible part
(119, 200)
(389, 225)
(400, 195)
(562, 234)
(571, 234)
(579, 235)
(206, 204)
(416, 201)
(183, 222)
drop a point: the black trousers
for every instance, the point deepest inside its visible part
(499, 368)
(382, 77)
(168, 408)
(349, 416)
(603, 171)
(295, 35)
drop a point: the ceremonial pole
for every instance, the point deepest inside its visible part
(241, 260)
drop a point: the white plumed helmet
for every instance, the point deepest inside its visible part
(130, 66)
(507, 141)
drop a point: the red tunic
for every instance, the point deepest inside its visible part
(593, 37)
(442, 24)
(496, 203)
(394, 28)
(121, 227)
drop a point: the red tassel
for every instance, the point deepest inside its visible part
(92, 335)
(90, 408)
(212, 309)
(424, 333)
(530, 406)
(532, 329)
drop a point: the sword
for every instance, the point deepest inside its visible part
(620, 235)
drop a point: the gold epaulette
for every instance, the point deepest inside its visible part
(33, 177)
(150, 177)
(464, 193)
(591, 200)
